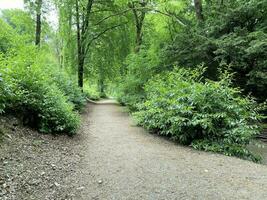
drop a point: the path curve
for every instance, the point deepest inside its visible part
(122, 161)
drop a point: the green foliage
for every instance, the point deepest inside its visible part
(55, 112)
(66, 84)
(33, 94)
(2, 95)
(141, 67)
(7, 37)
(5, 88)
(91, 91)
(21, 22)
(233, 33)
(207, 115)
(246, 52)
(31, 83)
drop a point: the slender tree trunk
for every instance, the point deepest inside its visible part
(102, 88)
(79, 47)
(38, 23)
(139, 38)
(139, 17)
(80, 72)
(198, 8)
(82, 30)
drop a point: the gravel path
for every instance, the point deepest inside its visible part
(111, 158)
(123, 161)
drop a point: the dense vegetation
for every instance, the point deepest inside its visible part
(195, 71)
(207, 115)
(32, 84)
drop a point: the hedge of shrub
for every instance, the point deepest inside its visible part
(37, 91)
(208, 115)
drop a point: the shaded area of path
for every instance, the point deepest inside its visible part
(122, 161)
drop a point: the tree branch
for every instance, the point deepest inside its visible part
(102, 33)
(88, 12)
(113, 15)
(168, 14)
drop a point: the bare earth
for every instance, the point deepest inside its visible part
(111, 158)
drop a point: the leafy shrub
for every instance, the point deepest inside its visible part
(65, 82)
(141, 67)
(207, 115)
(4, 89)
(21, 23)
(91, 92)
(31, 83)
(56, 113)
(69, 88)
(7, 37)
(2, 95)
(34, 94)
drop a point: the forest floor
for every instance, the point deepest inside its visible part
(111, 158)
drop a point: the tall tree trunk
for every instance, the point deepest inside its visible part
(101, 87)
(198, 8)
(82, 30)
(139, 38)
(38, 22)
(80, 72)
(79, 47)
(139, 17)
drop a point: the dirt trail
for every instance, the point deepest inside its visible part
(123, 161)
(111, 158)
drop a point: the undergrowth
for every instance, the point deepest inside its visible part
(206, 115)
(31, 86)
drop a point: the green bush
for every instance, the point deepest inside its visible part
(140, 68)
(65, 82)
(4, 88)
(2, 103)
(34, 94)
(31, 84)
(7, 37)
(56, 113)
(69, 87)
(91, 91)
(2, 95)
(207, 115)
